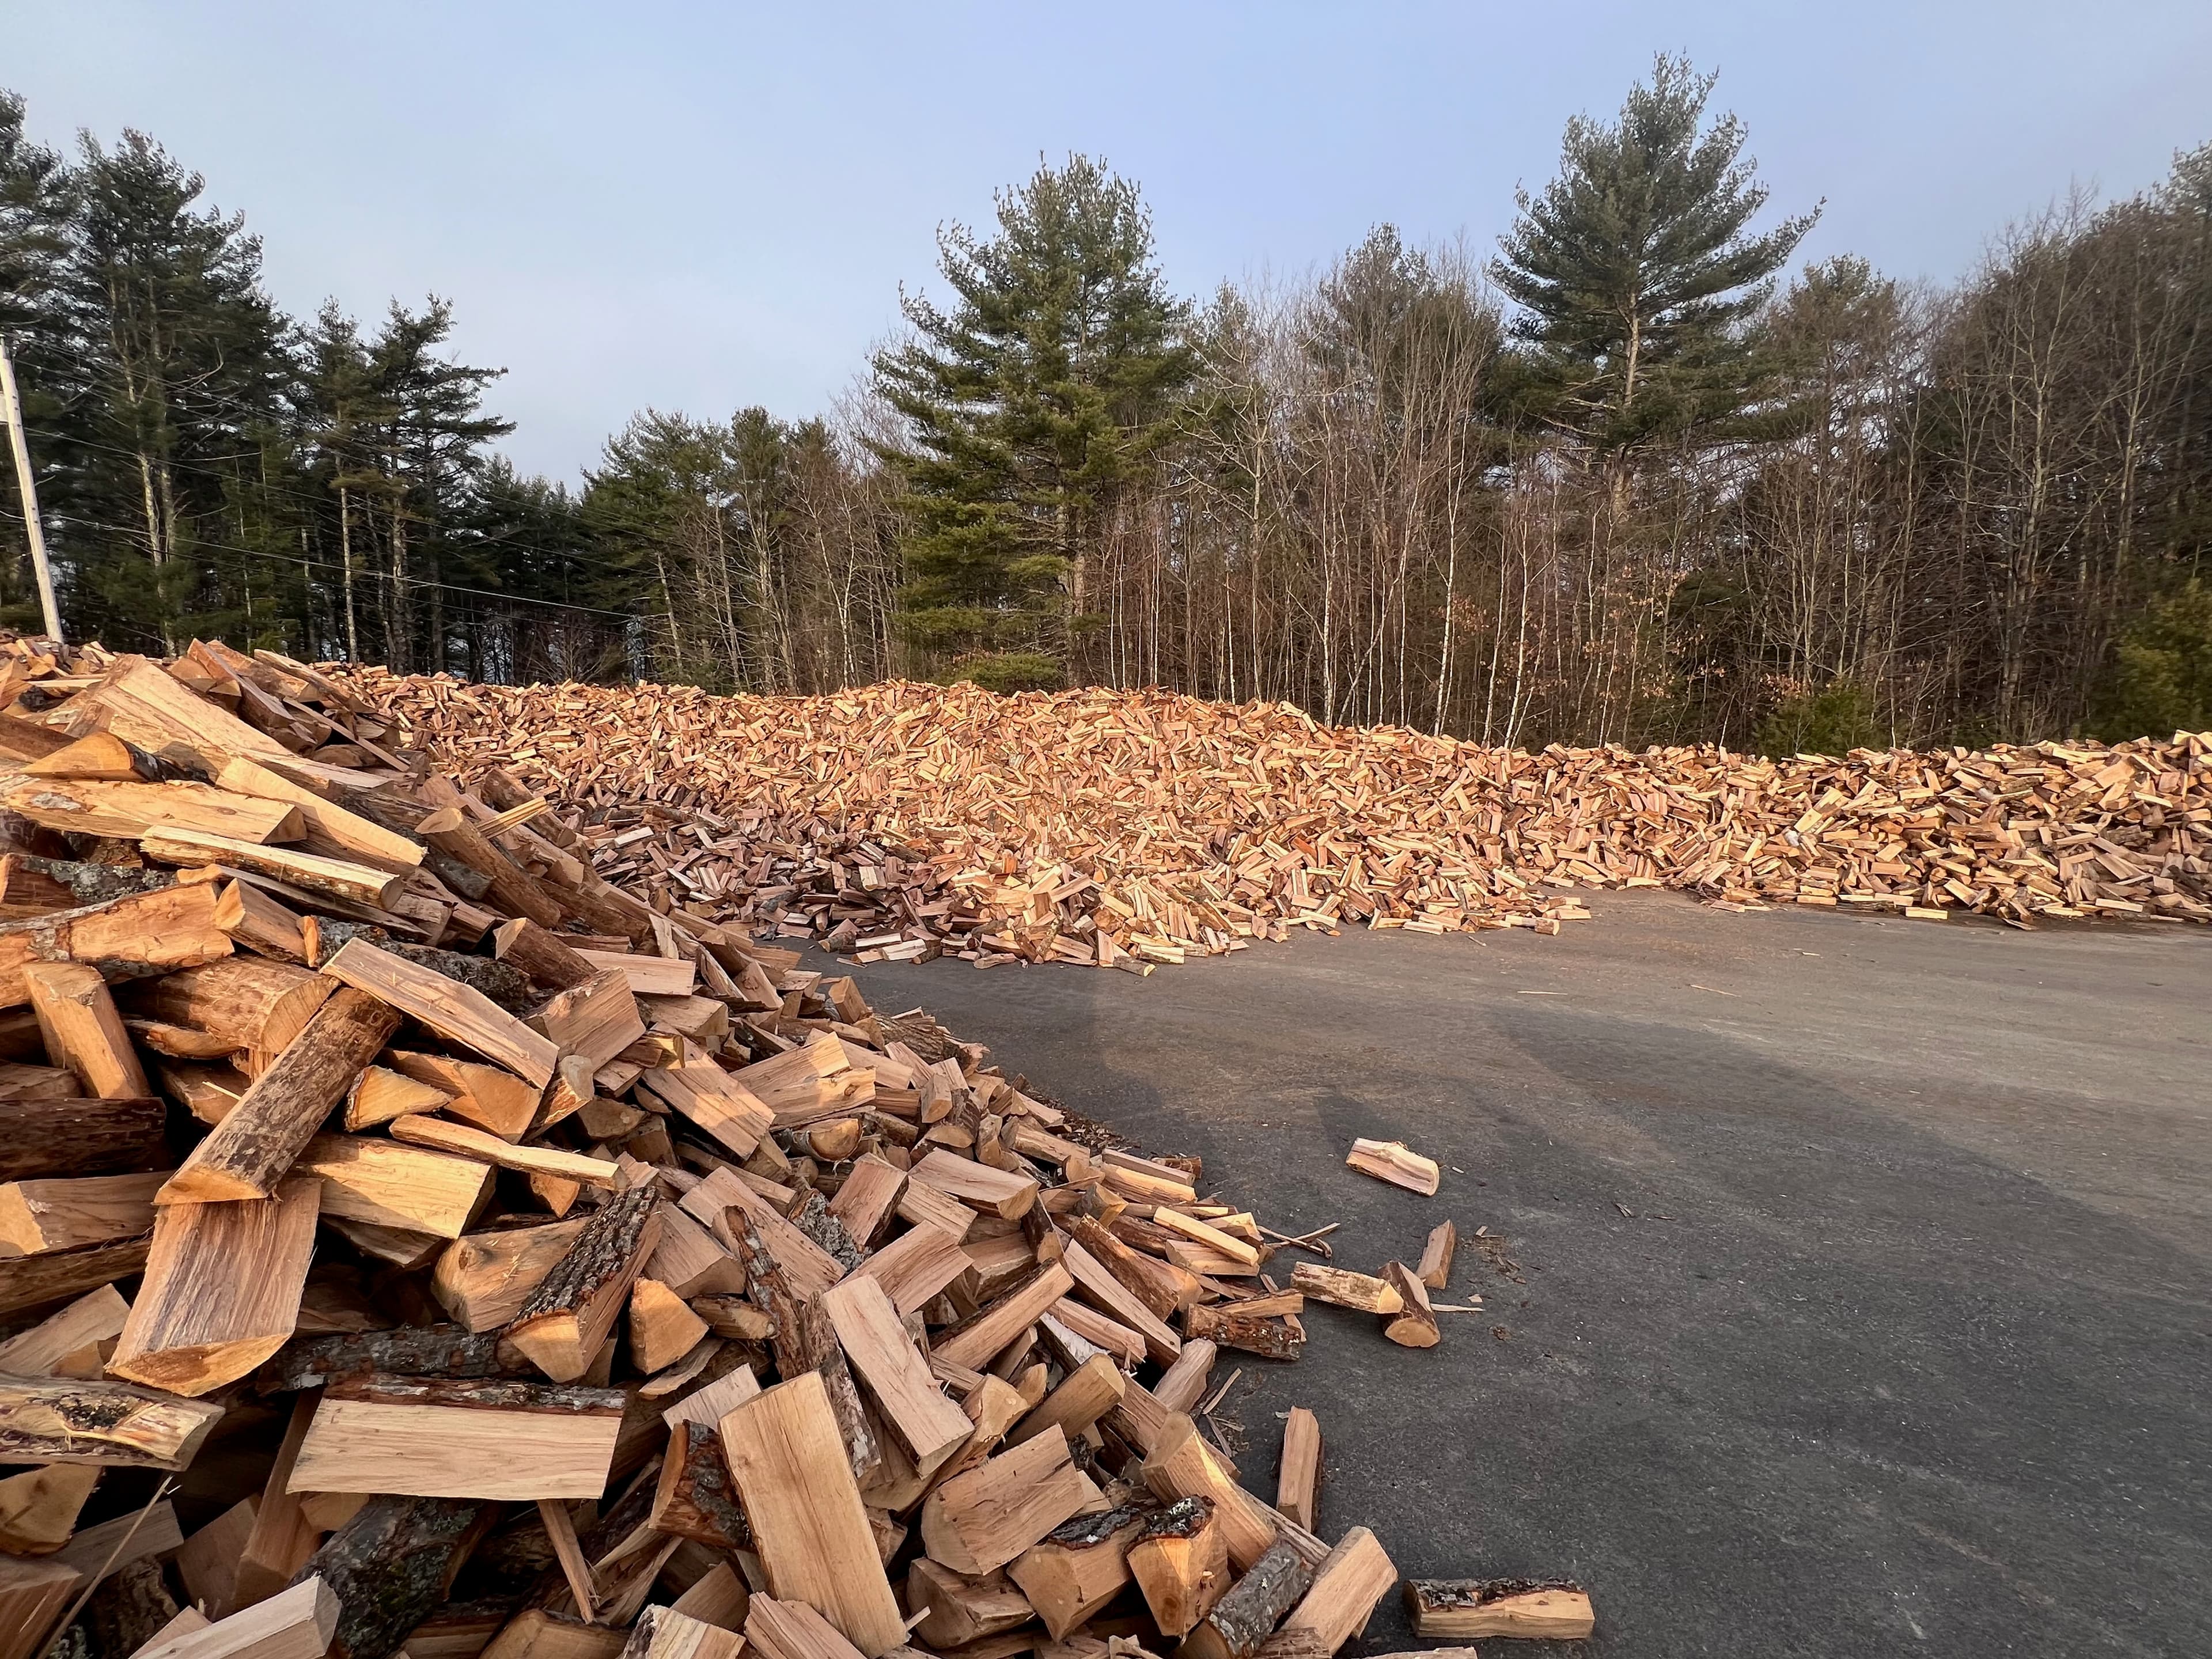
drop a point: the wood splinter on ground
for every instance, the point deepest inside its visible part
(1390, 1161)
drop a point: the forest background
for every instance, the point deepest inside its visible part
(1632, 476)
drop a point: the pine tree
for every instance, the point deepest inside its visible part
(1028, 404)
(173, 369)
(430, 449)
(1637, 265)
(336, 407)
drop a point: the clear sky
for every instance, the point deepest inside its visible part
(697, 206)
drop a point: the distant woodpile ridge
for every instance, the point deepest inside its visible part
(901, 821)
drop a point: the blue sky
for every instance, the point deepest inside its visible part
(698, 207)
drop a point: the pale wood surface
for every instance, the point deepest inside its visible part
(417, 1438)
(37, 1216)
(928, 1426)
(460, 1139)
(91, 1318)
(1297, 1478)
(481, 1279)
(986, 1517)
(453, 1010)
(295, 1624)
(1391, 1161)
(787, 1457)
(389, 1185)
(222, 1292)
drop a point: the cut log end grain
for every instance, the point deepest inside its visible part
(1180, 1564)
(1414, 1326)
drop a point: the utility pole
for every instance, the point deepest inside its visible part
(11, 406)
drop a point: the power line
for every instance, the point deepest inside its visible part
(321, 501)
(319, 564)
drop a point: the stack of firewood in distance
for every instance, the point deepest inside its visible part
(1125, 828)
(415, 1242)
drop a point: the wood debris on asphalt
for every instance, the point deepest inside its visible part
(508, 1254)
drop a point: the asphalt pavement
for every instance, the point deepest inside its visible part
(1848, 1288)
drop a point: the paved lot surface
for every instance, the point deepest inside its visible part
(1863, 1299)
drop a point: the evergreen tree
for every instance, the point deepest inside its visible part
(527, 537)
(429, 446)
(1637, 265)
(173, 373)
(337, 405)
(1029, 403)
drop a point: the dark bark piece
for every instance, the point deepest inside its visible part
(915, 1029)
(129, 1609)
(258, 1141)
(507, 986)
(543, 955)
(392, 1564)
(1150, 1280)
(1247, 1615)
(95, 884)
(1087, 1532)
(457, 878)
(1220, 1324)
(804, 1341)
(26, 1281)
(574, 1307)
(1184, 1518)
(431, 1351)
(813, 1219)
(695, 1498)
(488, 1393)
(80, 1137)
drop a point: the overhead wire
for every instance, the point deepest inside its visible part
(380, 576)
(324, 502)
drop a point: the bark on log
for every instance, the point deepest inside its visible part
(113, 1424)
(574, 1308)
(249, 1151)
(445, 1351)
(26, 1281)
(391, 1565)
(1247, 1615)
(80, 1137)
(504, 985)
(804, 1341)
(94, 883)
(509, 886)
(695, 1498)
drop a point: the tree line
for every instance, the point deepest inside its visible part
(1628, 478)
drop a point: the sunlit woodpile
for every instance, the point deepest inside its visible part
(903, 821)
(413, 1241)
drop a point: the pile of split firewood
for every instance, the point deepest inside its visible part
(412, 1240)
(1125, 828)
